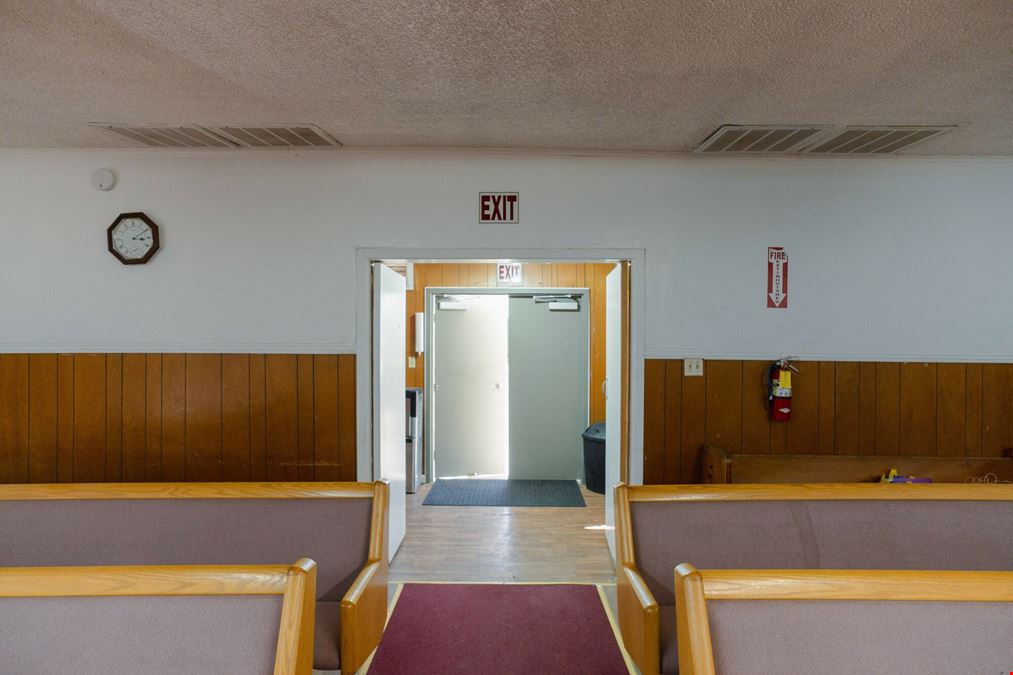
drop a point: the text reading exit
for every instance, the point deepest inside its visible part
(499, 207)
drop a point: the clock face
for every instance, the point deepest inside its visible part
(133, 238)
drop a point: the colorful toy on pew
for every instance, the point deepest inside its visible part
(894, 477)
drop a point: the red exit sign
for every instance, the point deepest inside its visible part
(499, 207)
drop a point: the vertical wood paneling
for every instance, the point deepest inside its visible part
(755, 415)
(173, 417)
(887, 408)
(133, 418)
(43, 422)
(282, 386)
(188, 417)
(325, 416)
(346, 417)
(827, 408)
(566, 275)
(842, 407)
(533, 275)
(258, 417)
(235, 417)
(305, 404)
(867, 409)
(951, 389)
(654, 410)
(804, 429)
(203, 417)
(724, 403)
(847, 412)
(694, 428)
(14, 417)
(994, 409)
(673, 422)
(114, 417)
(972, 403)
(153, 415)
(89, 418)
(917, 410)
(65, 418)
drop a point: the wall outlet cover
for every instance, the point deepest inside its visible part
(411, 361)
(692, 367)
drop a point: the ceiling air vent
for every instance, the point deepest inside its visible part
(197, 136)
(779, 139)
(168, 135)
(276, 136)
(873, 140)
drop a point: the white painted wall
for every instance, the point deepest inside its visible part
(890, 258)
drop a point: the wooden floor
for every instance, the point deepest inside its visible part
(486, 543)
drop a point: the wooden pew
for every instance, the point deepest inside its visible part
(187, 620)
(843, 621)
(341, 526)
(719, 466)
(822, 526)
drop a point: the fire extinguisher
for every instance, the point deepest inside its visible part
(779, 389)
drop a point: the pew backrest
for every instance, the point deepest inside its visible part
(824, 526)
(145, 620)
(843, 621)
(719, 466)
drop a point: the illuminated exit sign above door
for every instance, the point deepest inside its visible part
(509, 273)
(499, 207)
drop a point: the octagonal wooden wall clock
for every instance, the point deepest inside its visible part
(133, 238)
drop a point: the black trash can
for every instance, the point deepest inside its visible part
(594, 458)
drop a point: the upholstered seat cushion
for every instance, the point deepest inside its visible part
(669, 647)
(327, 636)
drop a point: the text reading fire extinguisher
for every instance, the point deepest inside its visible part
(779, 389)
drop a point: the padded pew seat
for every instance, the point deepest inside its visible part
(149, 620)
(840, 622)
(341, 526)
(820, 526)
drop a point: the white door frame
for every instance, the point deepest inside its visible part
(364, 318)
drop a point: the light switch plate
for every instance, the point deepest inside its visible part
(692, 367)
(411, 361)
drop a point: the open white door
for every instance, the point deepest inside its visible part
(389, 450)
(613, 395)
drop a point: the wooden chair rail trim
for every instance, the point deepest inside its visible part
(951, 586)
(46, 491)
(731, 492)
(146, 580)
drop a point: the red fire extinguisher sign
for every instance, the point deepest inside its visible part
(777, 277)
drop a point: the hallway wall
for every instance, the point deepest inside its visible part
(538, 275)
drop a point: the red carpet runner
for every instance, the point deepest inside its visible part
(492, 629)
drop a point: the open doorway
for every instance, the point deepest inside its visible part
(507, 372)
(575, 281)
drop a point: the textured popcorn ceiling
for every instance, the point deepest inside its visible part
(628, 75)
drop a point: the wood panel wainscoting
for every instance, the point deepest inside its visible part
(535, 275)
(177, 417)
(838, 407)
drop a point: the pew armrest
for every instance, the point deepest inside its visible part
(638, 620)
(363, 615)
